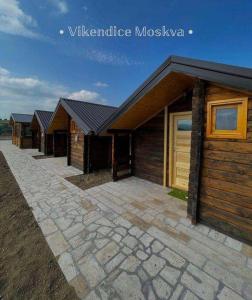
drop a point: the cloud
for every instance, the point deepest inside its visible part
(109, 58)
(60, 5)
(85, 95)
(25, 94)
(101, 84)
(4, 72)
(13, 20)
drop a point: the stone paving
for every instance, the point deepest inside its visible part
(56, 165)
(129, 239)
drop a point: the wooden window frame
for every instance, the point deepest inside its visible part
(241, 131)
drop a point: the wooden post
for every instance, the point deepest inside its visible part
(165, 145)
(198, 101)
(114, 157)
(87, 154)
(131, 153)
(45, 144)
(69, 141)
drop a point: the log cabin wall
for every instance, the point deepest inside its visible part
(148, 149)
(16, 133)
(26, 136)
(26, 143)
(149, 143)
(77, 146)
(226, 177)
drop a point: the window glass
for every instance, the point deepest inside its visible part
(226, 118)
(27, 131)
(184, 125)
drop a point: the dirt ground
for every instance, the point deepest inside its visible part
(42, 156)
(28, 269)
(86, 181)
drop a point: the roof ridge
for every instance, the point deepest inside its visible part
(86, 102)
(44, 110)
(21, 114)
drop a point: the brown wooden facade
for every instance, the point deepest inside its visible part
(226, 176)
(21, 135)
(40, 139)
(221, 169)
(88, 152)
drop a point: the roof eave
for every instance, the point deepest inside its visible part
(192, 68)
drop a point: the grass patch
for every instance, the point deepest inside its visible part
(182, 195)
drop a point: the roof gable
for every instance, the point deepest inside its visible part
(231, 76)
(43, 117)
(88, 116)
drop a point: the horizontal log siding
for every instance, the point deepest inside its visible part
(226, 187)
(148, 144)
(77, 148)
(148, 149)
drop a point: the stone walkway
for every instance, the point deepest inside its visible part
(129, 239)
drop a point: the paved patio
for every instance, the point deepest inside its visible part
(129, 239)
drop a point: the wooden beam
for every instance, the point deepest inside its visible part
(69, 141)
(198, 100)
(114, 157)
(131, 153)
(87, 155)
(119, 131)
(165, 145)
(45, 143)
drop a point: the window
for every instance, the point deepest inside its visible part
(227, 118)
(27, 131)
(184, 125)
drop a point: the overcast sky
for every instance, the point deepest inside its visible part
(38, 64)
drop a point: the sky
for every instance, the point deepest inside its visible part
(40, 61)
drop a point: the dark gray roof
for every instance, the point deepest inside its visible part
(88, 116)
(232, 76)
(21, 118)
(43, 117)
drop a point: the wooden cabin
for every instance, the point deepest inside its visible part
(21, 130)
(189, 126)
(74, 125)
(40, 139)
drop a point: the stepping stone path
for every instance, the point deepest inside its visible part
(128, 239)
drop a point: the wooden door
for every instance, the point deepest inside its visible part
(180, 147)
(60, 143)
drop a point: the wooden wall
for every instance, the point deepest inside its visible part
(226, 177)
(26, 142)
(148, 149)
(16, 133)
(19, 140)
(149, 143)
(77, 147)
(60, 121)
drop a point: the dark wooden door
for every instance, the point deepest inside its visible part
(49, 144)
(60, 144)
